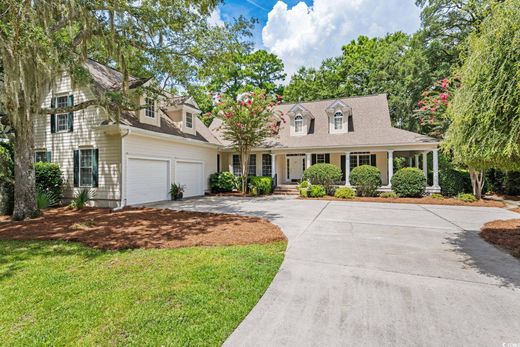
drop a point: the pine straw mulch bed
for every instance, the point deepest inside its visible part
(141, 228)
(427, 200)
(503, 233)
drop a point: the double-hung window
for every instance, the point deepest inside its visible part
(252, 165)
(267, 165)
(361, 158)
(42, 156)
(338, 121)
(320, 158)
(86, 167)
(236, 165)
(62, 122)
(298, 124)
(149, 111)
(189, 120)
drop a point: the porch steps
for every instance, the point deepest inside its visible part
(286, 189)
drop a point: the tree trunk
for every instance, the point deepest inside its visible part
(24, 176)
(477, 182)
(244, 160)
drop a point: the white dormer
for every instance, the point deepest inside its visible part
(183, 111)
(338, 113)
(300, 120)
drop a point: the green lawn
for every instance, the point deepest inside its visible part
(56, 293)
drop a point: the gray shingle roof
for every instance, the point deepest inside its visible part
(371, 119)
(108, 78)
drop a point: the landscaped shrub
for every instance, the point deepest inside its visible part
(316, 191)
(366, 179)
(345, 193)
(389, 195)
(223, 182)
(304, 184)
(6, 198)
(261, 184)
(502, 182)
(325, 175)
(45, 199)
(454, 181)
(49, 179)
(437, 196)
(409, 182)
(82, 198)
(304, 192)
(466, 197)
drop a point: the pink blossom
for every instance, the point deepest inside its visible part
(239, 125)
(444, 83)
(444, 96)
(420, 103)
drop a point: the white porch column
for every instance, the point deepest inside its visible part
(273, 165)
(417, 160)
(435, 167)
(347, 169)
(410, 162)
(425, 164)
(308, 160)
(390, 167)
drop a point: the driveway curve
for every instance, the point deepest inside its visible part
(377, 274)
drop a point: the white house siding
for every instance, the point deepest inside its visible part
(84, 135)
(136, 145)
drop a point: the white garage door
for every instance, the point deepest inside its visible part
(147, 181)
(189, 175)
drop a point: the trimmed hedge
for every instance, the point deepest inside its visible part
(221, 182)
(466, 197)
(345, 193)
(366, 179)
(454, 181)
(325, 175)
(262, 185)
(49, 179)
(409, 182)
(316, 191)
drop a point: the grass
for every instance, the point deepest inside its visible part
(60, 293)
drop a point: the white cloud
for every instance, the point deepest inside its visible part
(216, 18)
(305, 35)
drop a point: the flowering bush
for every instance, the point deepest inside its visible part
(431, 109)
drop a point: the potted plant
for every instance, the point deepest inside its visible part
(176, 191)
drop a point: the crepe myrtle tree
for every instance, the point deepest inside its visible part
(247, 122)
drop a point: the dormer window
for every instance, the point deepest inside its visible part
(189, 120)
(149, 111)
(338, 121)
(298, 124)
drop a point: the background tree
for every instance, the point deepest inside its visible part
(485, 112)
(40, 40)
(247, 123)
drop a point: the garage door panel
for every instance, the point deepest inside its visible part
(147, 180)
(190, 176)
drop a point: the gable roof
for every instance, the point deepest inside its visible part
(108, 78)
(371, 120)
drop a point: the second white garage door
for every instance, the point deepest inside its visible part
(190, 175)
(147, 180)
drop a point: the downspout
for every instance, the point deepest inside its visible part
(122, 190)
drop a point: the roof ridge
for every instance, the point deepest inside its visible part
(330, 99)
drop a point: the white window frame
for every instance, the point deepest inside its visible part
(267, 165)
(189, 120)
(321, 158)
(355, 162)
(80, 181)
(298, 121)
(60, 104)
(250, 166)
(237, 171)
(149, 111)
(338, 116)
(36, 153)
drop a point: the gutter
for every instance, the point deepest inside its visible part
(122, 187)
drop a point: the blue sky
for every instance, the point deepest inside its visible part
(304, 32)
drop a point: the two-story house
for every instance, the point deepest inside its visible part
(346, 132)
(134, 159)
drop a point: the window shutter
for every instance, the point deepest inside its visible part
(95, 166)
(76, 168)
(343, 167)
(71, 122)
(49, 159)
(313, 159)
(327, 158)
(373, 159)
(350, 124)
(53, 116)
(70, 103)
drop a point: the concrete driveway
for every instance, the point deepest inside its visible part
(375, 274)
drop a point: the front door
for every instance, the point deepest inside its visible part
(295, 167)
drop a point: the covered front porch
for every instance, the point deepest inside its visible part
(287, 166)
